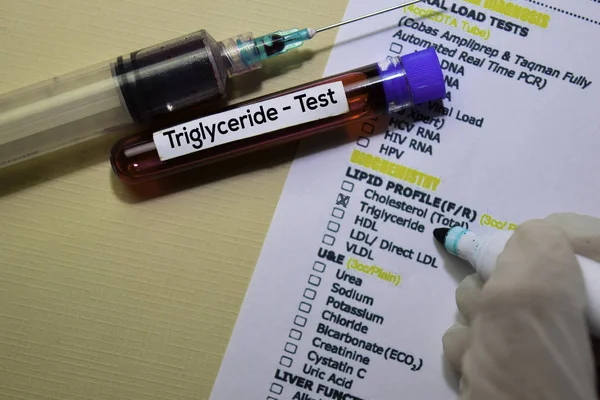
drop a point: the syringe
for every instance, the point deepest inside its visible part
(135, 89)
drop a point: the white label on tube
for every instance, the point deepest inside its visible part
(292, 109)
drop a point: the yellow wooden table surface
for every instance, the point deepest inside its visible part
(110, 294)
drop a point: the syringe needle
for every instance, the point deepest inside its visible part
(367, 16)
(276, 43)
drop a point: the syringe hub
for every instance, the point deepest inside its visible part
(241, 54)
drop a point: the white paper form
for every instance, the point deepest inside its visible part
(351, 295)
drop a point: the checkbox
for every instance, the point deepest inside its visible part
(363, 141)
(333, 226)
(328, 240)
(368, 128)
(347, 186)
(295, 334)
(300, 321)
(314, 280)
(338, 213)
(304, 307)
(286, 361)
(276, 388)
(291, 348)
(319, 266)
(310, 294)
(396, 48)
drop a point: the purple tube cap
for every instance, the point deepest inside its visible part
(424, 75)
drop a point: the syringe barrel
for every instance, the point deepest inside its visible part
(171, 76)
(59, 112)
(130, 90)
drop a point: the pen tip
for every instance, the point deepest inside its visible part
(440, 234)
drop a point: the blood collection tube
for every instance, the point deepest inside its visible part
(384, 87)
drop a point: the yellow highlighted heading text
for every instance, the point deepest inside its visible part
(394, 170)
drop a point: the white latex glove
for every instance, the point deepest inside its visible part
(526, 335)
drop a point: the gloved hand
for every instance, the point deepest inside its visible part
(526, 336)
